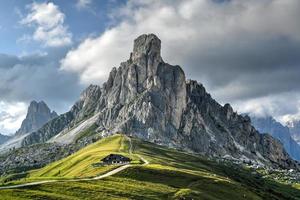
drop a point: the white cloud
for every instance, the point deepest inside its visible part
(11, 116)
(83, 3)
(88, 58)
(220, 44)
(187, 29)
(48, 21)
(283, 107)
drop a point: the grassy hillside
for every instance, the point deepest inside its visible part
(171, 174)
(79, 165)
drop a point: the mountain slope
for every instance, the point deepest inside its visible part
(277, 130)
(80, 163)
(171, 174)
(152, 100)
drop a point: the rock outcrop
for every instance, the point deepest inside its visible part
(277, 130)
(150, 99)
(145, 96)
(38, 114)
(32, 157)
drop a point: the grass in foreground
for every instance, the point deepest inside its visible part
(171, 174)
(79, 164)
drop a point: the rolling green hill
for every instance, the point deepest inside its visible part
(79, 164)
(170, 174)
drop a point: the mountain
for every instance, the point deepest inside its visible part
(4, 138)
(38, 114)
(294, 127)
(277, 130)
(152, 100)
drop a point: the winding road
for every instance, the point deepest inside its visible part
(110, 173)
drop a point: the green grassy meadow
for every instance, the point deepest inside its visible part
(171, 174)
(79, 165)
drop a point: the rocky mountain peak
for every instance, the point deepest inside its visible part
(146, 45)
(37, 115)
(37, 107)
(146, 56)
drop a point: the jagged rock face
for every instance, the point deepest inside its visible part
(144, 96)
(277, 130)
(217, 130)
(151, 99)
(294, 127)
(273, 151)
(87, 104)
(38, 114)
(4, 138)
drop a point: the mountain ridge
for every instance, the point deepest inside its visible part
(276, 129)
(152, 100)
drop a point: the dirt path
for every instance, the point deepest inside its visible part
(110, 173)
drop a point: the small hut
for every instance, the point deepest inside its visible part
(115, 159)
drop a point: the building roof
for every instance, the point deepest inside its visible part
(115, 157)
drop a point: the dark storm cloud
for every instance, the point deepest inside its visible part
(253, 45)
(259, 67)
(37, 77)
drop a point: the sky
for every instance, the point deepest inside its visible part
(245, 52)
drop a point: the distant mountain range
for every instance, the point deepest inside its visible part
(294, 127)
(152, 100)
(277, 130)
(4, 138)
(38, 114)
